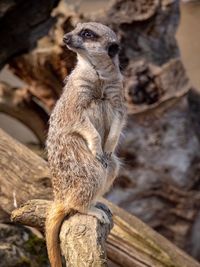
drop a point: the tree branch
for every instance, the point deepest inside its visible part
(82, 237)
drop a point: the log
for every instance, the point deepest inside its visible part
(130, 243)
(23, 175)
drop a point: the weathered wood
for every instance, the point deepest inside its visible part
(82, 237)
(83, 240)
(51, 58)
(23, 175)
(19, 104)
(22, 23)
(131, 242)
(162, 87)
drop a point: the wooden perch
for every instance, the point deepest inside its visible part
(130, 243)
(82, 237)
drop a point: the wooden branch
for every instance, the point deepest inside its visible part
(131, 242)
(82, 237)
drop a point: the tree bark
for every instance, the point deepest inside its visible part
(25, 176)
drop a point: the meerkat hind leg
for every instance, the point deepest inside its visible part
(99, 214)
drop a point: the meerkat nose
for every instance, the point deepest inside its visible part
(67, 38)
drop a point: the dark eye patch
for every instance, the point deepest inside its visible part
(88, 34)
(113, 49)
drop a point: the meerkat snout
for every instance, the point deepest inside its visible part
(67, 39)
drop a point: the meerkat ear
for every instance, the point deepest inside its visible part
(113, 49)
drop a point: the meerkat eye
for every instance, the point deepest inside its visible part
(113, 49)
(88, 34)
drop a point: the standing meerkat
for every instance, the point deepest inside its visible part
(84, 130)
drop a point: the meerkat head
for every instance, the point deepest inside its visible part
(93, 41)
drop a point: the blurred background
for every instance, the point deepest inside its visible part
(160, 58)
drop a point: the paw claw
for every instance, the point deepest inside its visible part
(102, 159)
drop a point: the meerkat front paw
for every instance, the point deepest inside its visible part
(99, 214)
(108, 155)
(103, 159)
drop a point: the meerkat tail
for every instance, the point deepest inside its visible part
(53, 224)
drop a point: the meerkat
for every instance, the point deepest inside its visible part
(84, 130)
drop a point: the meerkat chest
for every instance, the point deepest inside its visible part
(101, 113)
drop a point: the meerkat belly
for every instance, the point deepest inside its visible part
(101, 115)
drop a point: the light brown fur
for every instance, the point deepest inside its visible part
(85, 126)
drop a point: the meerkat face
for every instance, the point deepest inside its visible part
(92, 40)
